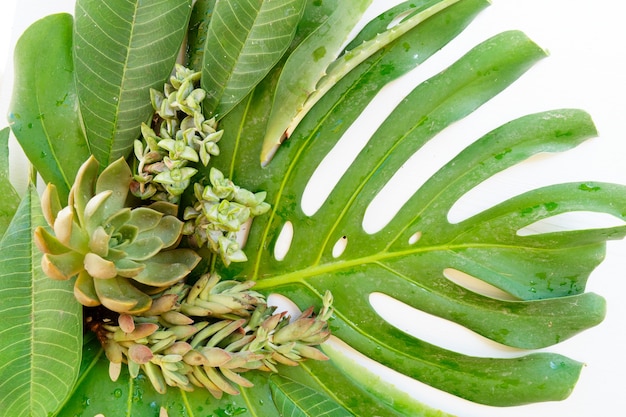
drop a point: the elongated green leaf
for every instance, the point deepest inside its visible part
(121, 50)
(10, 200)
(304, 68)
(40, 324)
(294, 399)
(244, 41)
(197, 33)
(353, 57)
(43, 112)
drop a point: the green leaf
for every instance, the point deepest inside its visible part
(305, 66)
(40, 324)
(43, 111)
(354, 56)
(11, 198)
(121, 50)
(244, 41)
(197, 33)
(294, 399)
(546, 273)
(384, 392)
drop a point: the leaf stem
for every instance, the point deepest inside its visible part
(32, 174)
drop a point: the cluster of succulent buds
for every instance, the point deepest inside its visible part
(220, 211)
(207, 335)
(166, 166)
(179, 137)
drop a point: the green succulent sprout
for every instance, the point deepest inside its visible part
(119, 255)
(179, 136)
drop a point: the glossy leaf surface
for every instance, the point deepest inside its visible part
(306, 65)
(245, 40)
(44, 114)
(486, 246)
(122, 49)
(11, 199)
(40, 324)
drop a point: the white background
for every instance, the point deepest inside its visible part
(586, 69)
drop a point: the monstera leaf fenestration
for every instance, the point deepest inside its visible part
(301, 255)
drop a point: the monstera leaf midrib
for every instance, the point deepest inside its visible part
(301, 275)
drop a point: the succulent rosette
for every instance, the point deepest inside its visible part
(118, 254)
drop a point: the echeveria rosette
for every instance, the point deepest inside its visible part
(118, 254)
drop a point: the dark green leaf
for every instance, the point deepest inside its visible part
(40, 324)
(486, 246)
(43, 112)
(197, 33)
(10, 198)
(121, 50)
(244, 41)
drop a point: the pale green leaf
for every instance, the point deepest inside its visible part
(304, 68)
(11, 198)
(40, 324)
(121, 50)
(245, 40)
(414, 15)
(297, 400)
(44, 112)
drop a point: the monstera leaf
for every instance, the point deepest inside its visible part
(408, 259)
